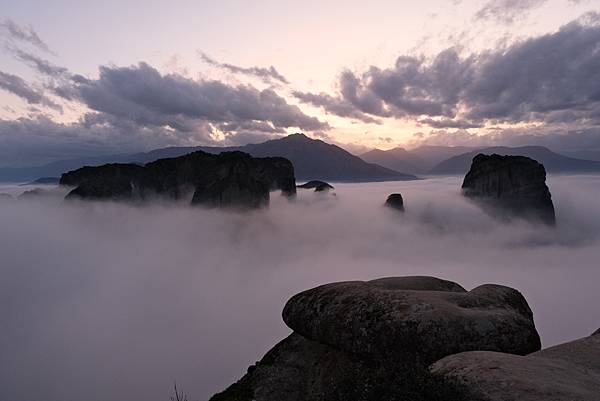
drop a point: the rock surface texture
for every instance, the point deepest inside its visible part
(374, 340)
(231, 179)
(566, 372)
(319, 186)
(420, 318)
(510, 186)
(395, 201)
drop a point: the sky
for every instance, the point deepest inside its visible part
(84, 78)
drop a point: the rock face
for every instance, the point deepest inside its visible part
(232, 179)
(568, 371)
(395, 201)
(374, 340)
(510, 186)
(298, 369)
(319, 186)
(420, 318)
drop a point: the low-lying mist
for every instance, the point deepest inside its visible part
(114, 302)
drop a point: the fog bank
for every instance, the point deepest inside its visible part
(112, 302)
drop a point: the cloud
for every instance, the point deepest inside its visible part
(551, 79)
(334, 106)
(40, 140)
(507, 11)
(126, 299)
(42, 66)
(449, 123)
(25, 34)
(144, 95)
(138, 108)
(17, 86)
(266, 74)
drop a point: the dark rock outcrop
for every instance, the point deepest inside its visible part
(420, 318)
(596, 332)
(374, 340)
(395, 201)
(298, 369)
(510, 186)
(568, 371)
(319, 186)
(231, 179)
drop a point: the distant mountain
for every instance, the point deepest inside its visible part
(553, 162)
(398, 159)
(416, 161)
(432, 155)
(582, 154)
(315, 159)
(312, 159)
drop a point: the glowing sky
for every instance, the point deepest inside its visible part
(337, 61)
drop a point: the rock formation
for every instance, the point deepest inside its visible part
(231, 179)
(510, 186)
(319, 186)
(374, 340)
(566, 372)
(413, 318)
(395, 201)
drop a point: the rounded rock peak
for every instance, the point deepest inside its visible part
(395, 201)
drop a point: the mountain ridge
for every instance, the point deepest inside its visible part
(312, 159)
(552, 161)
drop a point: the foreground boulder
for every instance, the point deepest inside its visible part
(510, 186)
(566, 372)
(298, 369)
(374, 341)
(395, 201)
(230, 179)
(319, 186)
(421, 318)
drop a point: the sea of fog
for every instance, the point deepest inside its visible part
(102, 302)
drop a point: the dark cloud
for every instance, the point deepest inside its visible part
(138, 108)
(142, 94)
(17, 86)
(26, 34)
(507, 11)
(549, 79)
(449, 123)
(540, 78)
(42, 66)
(267, 74)
(334, 106)
(40, 140)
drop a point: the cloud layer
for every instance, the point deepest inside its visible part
(125, 300)
(551, 79)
